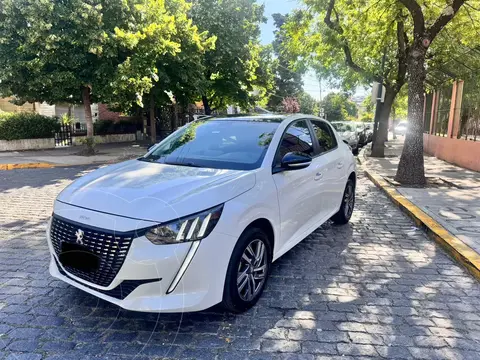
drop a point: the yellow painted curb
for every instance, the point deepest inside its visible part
(461, 252)
(26, 166)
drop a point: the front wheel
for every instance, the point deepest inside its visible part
(247, 271)
(348, 203)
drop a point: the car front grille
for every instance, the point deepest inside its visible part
(110, 247)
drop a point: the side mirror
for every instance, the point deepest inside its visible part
(296, 161)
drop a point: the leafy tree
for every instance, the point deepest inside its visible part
(160, 76)
(288, 81)
(428, 22)
(346, 40)
(367, 109)
(73, 50)
(230, 70)
(290, 105)
(338, 107)
(308, 105)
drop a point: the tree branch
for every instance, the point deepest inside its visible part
(447, 14)
(417, 15)
(335, 26)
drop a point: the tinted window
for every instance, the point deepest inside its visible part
(219, 144)
(325, 136)
(297, 138)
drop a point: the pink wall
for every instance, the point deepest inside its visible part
(464, 153)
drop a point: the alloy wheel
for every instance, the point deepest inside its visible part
(349, 200)
(252, 270)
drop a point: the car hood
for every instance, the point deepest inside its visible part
(155, 192)
(346, 134)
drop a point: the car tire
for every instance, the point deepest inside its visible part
(236, 295)
(348, 203)
(355, 151)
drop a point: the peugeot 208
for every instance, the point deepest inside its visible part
(200, 218)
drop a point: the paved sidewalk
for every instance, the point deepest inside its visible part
(454, 203)
(107, 153)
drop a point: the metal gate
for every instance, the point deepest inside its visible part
(64, 136)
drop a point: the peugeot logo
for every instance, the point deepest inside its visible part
(79, 235)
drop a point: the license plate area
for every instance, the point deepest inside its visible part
(78, 257)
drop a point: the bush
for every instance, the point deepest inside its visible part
(105, 127)
(16, 126)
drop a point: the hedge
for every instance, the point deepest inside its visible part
(105, 127)
(16, 126)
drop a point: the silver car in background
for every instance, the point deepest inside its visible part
(349, 134)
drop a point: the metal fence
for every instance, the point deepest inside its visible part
(428, 112)
(470, 111)
(444, 101)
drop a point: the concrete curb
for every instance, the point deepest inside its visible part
(26, 166)
(462, 253)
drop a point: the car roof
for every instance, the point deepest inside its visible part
(253, 118)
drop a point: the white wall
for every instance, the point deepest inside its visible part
(77, 112)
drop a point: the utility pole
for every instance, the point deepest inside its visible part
(379, 106)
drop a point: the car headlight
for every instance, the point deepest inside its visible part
(189, 228)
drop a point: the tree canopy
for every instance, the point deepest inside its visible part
(231, 69)
(288, 80)
(338, 107)
(74, 51)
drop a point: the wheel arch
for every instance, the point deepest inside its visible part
(265, 225)
(353, 177)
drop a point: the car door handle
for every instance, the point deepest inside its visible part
(340, 165)
(318, 176)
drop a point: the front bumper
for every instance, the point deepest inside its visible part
(148, 270)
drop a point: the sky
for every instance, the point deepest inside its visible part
(311, 83)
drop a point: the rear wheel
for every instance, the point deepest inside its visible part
(348, 203)
(247, 271)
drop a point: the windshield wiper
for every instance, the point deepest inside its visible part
(189, 164)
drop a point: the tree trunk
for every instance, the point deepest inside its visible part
(153, 121)
(90, 143)
(411, 169)
(378, 148)
(206, 105)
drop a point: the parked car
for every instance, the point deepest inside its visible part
(362, 133)
(348, 133)
(200, 218)
(369, 126)
(401, 128)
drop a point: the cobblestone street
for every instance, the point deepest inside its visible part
(376, 288)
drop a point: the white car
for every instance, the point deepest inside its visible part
(200, 218)
(401, 128)
(348, 132)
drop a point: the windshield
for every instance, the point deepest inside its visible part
(219, 144)
(342, 127)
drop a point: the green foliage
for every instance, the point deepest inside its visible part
(114, 51)
(230, 70)
(105, 127)
(308, 105)
(15, 126)
(158, 66)
(288, 80)
(338, 107)
(67, 120)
